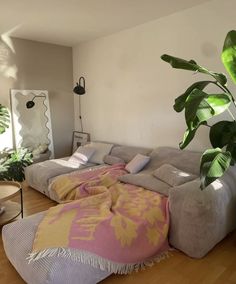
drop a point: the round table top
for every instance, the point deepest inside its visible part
(8, 189)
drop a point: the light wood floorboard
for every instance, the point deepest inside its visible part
(218, 267)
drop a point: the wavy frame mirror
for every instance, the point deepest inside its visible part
(32, 121)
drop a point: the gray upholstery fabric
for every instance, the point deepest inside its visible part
(112, 160)
(201, 218)
(18, 240)
(127, 153)
(187, 161)
(147, 181)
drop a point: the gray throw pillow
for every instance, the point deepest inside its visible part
(82, 155)
(137, 163)
(147, 181)
(101, 149)
(172, 176)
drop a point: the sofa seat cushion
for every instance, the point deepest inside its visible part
(38, 175)
(147, 181)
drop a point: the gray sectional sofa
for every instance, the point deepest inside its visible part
(198, 219)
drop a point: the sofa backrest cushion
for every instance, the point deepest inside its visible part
(112, 160)
(184, 160)
(127, 153)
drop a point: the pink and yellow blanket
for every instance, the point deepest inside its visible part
(114, 226)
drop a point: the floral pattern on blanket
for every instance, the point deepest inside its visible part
(112, 225)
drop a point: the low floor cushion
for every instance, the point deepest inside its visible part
(18, 239)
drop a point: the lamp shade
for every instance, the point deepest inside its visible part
(79, 89)
(30, 104)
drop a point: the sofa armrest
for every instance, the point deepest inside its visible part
(199, 219)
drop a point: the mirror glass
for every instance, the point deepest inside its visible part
(32, 122)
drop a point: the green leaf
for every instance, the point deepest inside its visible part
(214, 163)
(231, 147)
(223, 133)
(201, 106)
(180, 101)
(191, 65)
(228, 55)
(180, 63)
(12, 166)
(4, 119)
(189, 135)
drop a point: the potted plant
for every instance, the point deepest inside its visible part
(200, 106)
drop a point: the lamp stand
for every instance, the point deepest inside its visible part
(80, 116)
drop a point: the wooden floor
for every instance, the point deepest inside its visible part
(218, 267)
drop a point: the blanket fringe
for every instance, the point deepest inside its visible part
(97, 261)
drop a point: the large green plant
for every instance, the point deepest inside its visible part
(200, 106)
(12, 162)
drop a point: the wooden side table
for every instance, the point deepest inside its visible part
(9, 190)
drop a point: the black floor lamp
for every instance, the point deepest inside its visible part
(79, 89)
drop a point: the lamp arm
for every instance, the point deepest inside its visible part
(39, 96)
(82, 78)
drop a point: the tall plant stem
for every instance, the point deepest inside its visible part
(226, 90)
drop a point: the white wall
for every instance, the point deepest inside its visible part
(130, 91)
(40, 66)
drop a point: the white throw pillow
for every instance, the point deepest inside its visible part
(82, 155)
(101, 149)
(137, 163)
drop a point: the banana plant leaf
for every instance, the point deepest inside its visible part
(201, 106)
(228, 55)
(214, 163)
(223, 133)
(4, 119)
(189, 135)
(192, 65)
(181, 100)
(231, 147)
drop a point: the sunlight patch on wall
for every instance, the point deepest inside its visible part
(7, 68)
(6, 140)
